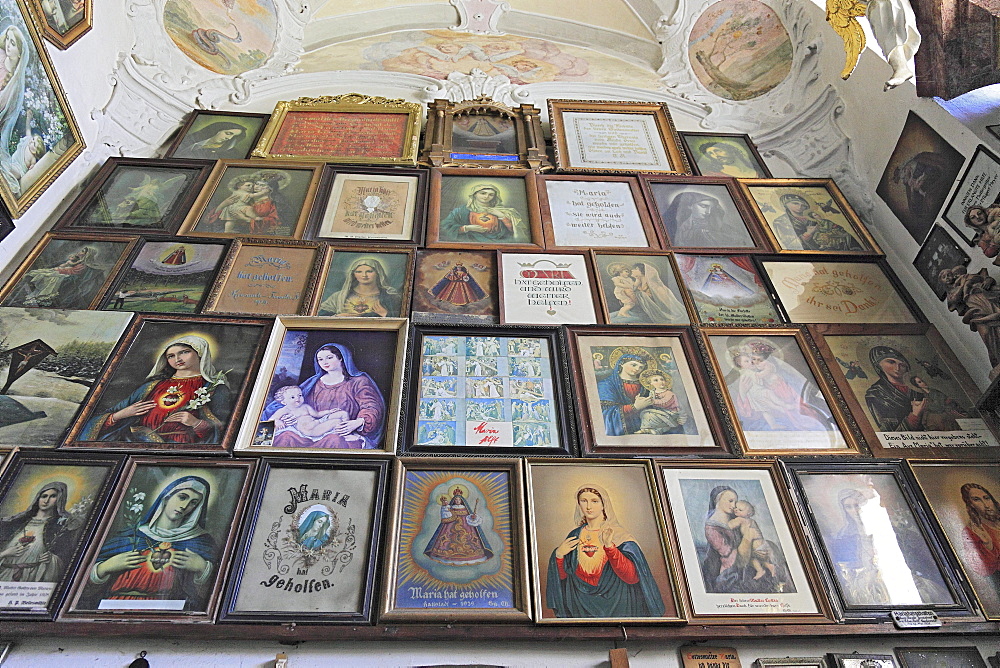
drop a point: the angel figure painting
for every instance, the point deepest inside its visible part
(455, 541)
(138, 197)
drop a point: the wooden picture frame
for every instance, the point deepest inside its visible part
(642, 288)
(136, 196)
(76, 489)
(778, 394)
(957, 657)
(244, 198)
(332, 542)
(56, 358)
(217, 135)
(581, 212)
(59, 29)
(455, 287)
(735, 155)
(343, 282)
(487, 390)
(38, 282)
(796, 216)
(883, 413)
(214, 492)
(483, 580)
(589, 498)
(484, 133)
(855, 660)
(681, 418)
(372, 355)
(370, 205)
(348, 128)
(166, 275)
(725, 290)
(644, 139)
(866, 514)
(841, 290)
(546, 289)
(218, 357)
(265, 278)
(939, 252)
(958, 494)
(729, 594)
(701, 214)
(791, 662)
(976, 188)
(510, 219)
(51, 136)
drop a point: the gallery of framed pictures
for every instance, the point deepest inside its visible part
(267, 383)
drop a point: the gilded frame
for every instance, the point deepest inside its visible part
(404, 498)
(63, 40)
(945, 563)
(18, 203)
(325, 265)
(348, 103)
(529, 144)
(214, 183)
(820, 377)
(238, 575)
(666, 143)
(744, 471)
(742, 140)
(858, 230)
(305, 277)
(71, 610)
(952, 448)
(602, 278)
(609, 472)
(245, 442)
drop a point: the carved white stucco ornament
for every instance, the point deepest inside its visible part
(459, 87)
(480, 16)
(894, 26)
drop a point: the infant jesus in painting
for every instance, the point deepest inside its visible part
(295, 414)
(762, 556)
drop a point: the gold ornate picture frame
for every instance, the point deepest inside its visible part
(60, 27)
(349, 128)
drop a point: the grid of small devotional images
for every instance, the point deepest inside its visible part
(306, 368)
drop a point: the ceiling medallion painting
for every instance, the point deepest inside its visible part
(739, 49)
(227, 36)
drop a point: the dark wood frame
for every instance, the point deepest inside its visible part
(325, 191)
(824, 611)
(891, 280)
(563, 442)
(901, 653)
(591, 284)
(791, 662)
(131, 334)
(838, 659)
(321, 273)
(946, 562)
(521, 611)
(658, 110)
(702, 393)
(964, 259)
(821, 377)
(602, 295)
(120, 277)
(959, 225)
(653, 235)
(365, 615)
(175, 143)
(859, 229)
(218, 175)
(745, 138)
(129, 240)
(864, 425)
(434, 217)
(64, 40)
(750, 221)
(348, 103)
(442, 316)
(437, 147)
(228, 267)
(12, 466)
(692, 303)
(70, 612)
(171, 219)
(674, 571)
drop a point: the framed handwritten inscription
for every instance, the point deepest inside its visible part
(539, 288)
(344, 128)
(260, 278)
(487, 390)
